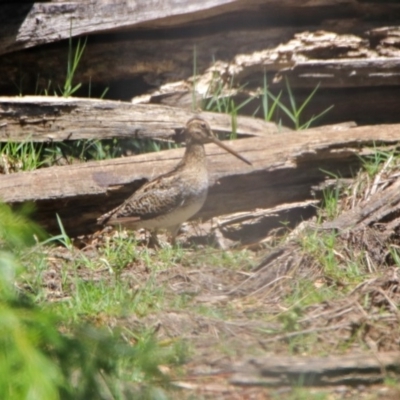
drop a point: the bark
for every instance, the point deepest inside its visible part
(136, 65)
(33, 24)
(310, 57)
(167, 56)
(251, 228)
(285, 169)
(370, 226)
(55, 119)
(40, 23)
(135, 49)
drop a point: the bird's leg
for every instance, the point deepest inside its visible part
(174, 232)
(153, 241)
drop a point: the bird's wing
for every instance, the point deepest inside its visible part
(153, 199)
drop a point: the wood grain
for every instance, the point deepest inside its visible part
(285, 168)
(46, 118)
(33, 24)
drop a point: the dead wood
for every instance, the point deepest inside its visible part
(285, 169)
(368, 314)
(45, 118)
(307, 58)
(154, 60)
(28, 25)
(346, 43)
(257, 228)
(381, 206)
(349, 369)
(369, 226)
(328, 57)
(340, 45)
(24, 26)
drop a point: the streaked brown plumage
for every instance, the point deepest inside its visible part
(172, 198)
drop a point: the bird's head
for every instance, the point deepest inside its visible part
(197, 130)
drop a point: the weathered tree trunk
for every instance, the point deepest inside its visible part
(39, 23)
(42, 119)
(247, 39)
(370, 227)
(345, 46)
(285, 169)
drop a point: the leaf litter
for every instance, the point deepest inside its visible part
(230, 314)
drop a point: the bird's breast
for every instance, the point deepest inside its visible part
(189, 206)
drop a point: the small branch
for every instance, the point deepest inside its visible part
(352, 369)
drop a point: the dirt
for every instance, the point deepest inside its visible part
(243, 326)
(246, 313)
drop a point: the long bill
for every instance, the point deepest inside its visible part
(229, 150)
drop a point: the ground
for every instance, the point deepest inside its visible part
(213, 311)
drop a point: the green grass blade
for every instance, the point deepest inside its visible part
(314, 118)
(291, 98)
(283, 107)
(308, 99)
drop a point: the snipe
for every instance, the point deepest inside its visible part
(172, 198)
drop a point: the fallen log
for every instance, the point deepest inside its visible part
(354, 50)
(40, 22)
(285, 168)
(45, 118)
(306, 58)
(33, 24)
(368, 226)
(132, 55)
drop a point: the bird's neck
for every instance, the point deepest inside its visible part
(194, 153)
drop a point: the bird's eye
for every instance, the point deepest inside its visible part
(203, 125)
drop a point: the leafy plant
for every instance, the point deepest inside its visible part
(268, 111)
(74, 57)
(220, 100)
(16, 230)
(62, 238)
(42, 356)
(23, 156)
(374, 162)
(294, 112)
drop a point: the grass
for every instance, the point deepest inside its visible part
(118, 320)
(218, 102)
(73, 61)
(29, 155)
(150, 303)
(69, 88)
(46, 346)
(218, 98)
(300, 393)
(373, 163)
(294, 112)
(24, 156)
(340, 267)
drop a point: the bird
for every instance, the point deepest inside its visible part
(174, 197)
